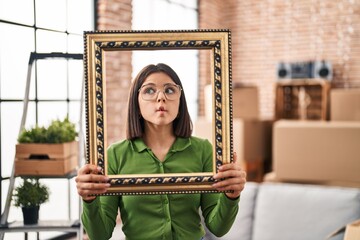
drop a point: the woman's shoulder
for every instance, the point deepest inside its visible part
(199, 141)
(120, 144)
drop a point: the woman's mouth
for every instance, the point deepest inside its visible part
(161, 109)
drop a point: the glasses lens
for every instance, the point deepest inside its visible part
(172, 92)
(148, 92)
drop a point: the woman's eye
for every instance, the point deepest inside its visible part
(170, 90)
(149, 90)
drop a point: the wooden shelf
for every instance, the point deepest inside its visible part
(68, 175)
(302, 99)
(60, 226)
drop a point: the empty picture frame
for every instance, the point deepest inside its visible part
(217, 42)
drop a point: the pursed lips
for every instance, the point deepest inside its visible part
(161, 109)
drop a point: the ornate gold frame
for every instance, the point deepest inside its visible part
(219, 42)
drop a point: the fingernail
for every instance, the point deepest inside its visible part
(99, 169)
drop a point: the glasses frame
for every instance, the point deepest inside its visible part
(158, 91)
(218, 42)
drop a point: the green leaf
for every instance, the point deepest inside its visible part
(30, 193)
(58, 132)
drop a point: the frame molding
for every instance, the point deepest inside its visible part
(97, 43)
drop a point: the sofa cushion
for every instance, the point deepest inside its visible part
(242, 227)
(294, 211)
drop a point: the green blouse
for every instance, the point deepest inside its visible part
(173, 216)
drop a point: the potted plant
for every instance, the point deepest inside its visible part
(50, 151)
(58, 132)
(29, 195)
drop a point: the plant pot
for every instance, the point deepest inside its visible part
(31, 215)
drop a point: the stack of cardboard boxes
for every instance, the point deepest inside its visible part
(251, 134)
(305, 151)
(322, 152)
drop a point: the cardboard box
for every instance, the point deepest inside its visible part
(317, 151)
(246, 103)
(352, 231)
(345, 104)
(251, 138)
(255, 139)
(203, 129)
(271, 177)
(35, 159)
(254, 170)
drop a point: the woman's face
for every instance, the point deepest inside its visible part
(159, 99)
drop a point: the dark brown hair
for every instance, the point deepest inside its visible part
(182, 125)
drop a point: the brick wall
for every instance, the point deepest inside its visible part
(210, 17)
(116, 15)
(266, 32)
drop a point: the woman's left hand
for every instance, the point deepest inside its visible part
(234, 178)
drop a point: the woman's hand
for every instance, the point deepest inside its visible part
(234, 178)
(89, 182)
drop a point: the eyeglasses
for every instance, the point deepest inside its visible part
(150, 92)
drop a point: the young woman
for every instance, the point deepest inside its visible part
(159, 141)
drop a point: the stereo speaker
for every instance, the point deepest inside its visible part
(303, 70)
(284, 70)
(322, 69)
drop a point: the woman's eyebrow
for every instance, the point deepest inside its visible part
(147, 84)
(153, 84)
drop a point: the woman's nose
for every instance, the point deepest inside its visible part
(161, 96)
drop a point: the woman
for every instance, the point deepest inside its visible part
(159, 141)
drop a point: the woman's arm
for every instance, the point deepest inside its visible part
(99, 217)
(220, 210)
(99, 212)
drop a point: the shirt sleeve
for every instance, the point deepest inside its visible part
(218, 210)
(99, 216)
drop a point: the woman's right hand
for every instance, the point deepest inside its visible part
(90, 182)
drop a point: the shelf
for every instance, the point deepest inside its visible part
(68, 176)
(302, 99)
(60, 226)
(51, 225)
(302, 82)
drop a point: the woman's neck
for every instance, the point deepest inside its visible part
(159, 139)
(156, 134)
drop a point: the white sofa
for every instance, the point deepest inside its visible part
(282, 211)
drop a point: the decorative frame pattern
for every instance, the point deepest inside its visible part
(219, 43)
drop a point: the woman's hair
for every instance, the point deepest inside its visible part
(182, 125)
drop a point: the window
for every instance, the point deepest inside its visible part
(169, 15)
(39, 26)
